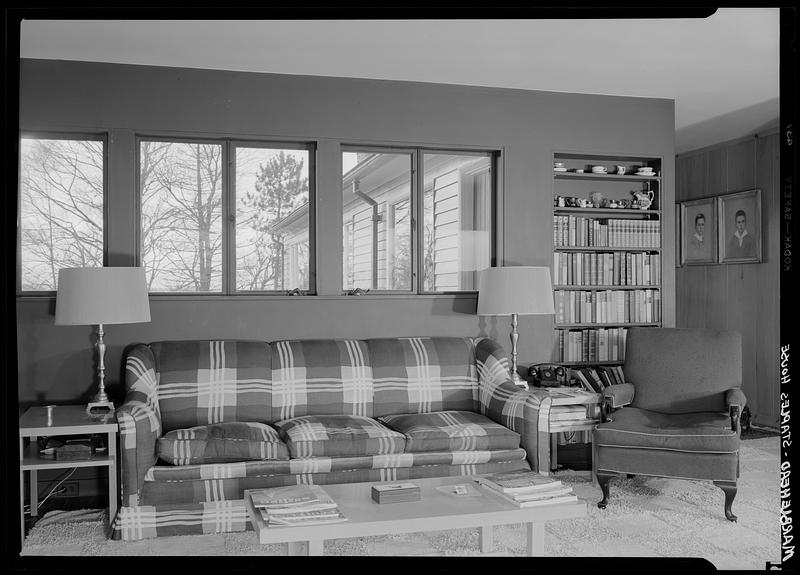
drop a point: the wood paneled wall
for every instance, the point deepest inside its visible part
(741, 297)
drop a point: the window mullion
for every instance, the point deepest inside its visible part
(418, 229)
(229, 219)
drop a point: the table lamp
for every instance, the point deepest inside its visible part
(513, 291)
(98, 296)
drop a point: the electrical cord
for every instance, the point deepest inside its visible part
(27, 508)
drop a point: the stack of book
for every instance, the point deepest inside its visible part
(568, 413)
(527, 488)
(296, 505)
(599, 377)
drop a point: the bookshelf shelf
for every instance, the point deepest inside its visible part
(585, 269)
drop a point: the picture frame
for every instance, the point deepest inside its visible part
(699, 232)
(678, 250)
(740, 227)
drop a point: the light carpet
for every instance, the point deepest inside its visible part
(646, 517)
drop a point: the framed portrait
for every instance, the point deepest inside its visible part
(678, 256)
(699, 232)
(740, 227)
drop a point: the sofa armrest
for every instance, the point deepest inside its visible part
(735, 400)
(525, 411)
(139, 422)
(615, 397)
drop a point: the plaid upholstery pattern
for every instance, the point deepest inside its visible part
(451, 430)
(139, 422)
(226, 515)
(525, 411)
(311, 465)
(220, 443)
(423, 374)
(320, 377)
(205, 382)
(338, 435)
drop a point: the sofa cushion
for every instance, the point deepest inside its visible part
(451, 431)
(423, 374)
(320, 377)
(338, 436)
(690, 432)
(204, 382)
(221, 443)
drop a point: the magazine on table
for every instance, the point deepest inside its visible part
(289, 496)
(535, 495)
(518, 481)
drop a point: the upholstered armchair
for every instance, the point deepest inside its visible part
(677, 415)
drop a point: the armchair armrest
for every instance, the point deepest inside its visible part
(735, 401)
(526, 411)
(614, 397)
(139, 421)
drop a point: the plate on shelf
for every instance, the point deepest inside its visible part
(559, 169)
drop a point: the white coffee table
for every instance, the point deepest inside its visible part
(435, 511)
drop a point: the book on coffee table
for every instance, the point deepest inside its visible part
(518, 481)
(289, 496)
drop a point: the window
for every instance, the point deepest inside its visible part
(61, 203)
(384, 250)
(272, 219)
(200, 235)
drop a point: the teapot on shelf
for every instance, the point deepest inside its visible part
(643, 199)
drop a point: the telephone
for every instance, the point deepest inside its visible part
(548, 375)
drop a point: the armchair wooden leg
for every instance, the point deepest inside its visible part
(729, 488)
(603, 478)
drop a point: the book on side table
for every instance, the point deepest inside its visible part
(527, 488)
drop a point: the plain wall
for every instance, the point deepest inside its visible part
(739, 297)
(56, 362)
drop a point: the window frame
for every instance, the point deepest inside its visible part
(93, 136)
(228, 205)
(417, 208)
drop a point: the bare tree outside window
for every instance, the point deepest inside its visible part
(61, 208)
(272, 219)
(181, 215)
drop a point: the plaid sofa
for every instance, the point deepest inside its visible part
(333, 402)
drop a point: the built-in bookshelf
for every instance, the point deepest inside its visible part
(607, 261)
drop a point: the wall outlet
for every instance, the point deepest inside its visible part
(68, 489)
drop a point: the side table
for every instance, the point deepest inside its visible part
(66, 420)
(572, 396)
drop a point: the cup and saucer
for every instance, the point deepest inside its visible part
(644, 171)
(559, 167)
(599, 170)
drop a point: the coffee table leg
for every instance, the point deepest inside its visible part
(294, 548)
(535, 539)
(487, 541)
(315, 547)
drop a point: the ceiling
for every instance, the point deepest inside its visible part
(722, 71)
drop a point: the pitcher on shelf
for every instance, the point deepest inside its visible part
(643, 199)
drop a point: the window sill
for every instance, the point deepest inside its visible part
(265, 297)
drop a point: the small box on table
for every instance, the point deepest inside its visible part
(396, 493)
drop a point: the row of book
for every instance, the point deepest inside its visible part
(608, 306)
(599, 377)
(527, 488)
(573, 231)
(296, 505)
(599, 268)
(595, 344)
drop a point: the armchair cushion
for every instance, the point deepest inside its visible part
(339, 436)
(221, 443)
(451, 431)
(689, 432)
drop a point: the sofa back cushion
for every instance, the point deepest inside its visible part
(205, 382)
(321, 377)
(423, 374)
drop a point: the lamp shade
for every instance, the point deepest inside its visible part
(89, 296)
(519, 290)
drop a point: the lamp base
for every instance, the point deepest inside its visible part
(100, 408)
(518, 381)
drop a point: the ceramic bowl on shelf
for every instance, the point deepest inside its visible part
(579, 171)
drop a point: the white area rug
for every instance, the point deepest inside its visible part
(646, 517)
